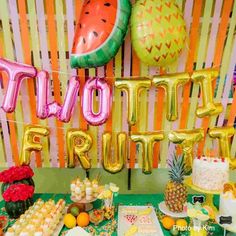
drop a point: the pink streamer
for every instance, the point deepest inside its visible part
(70, 33)
(19, 56)
(6, 138)
(151, 101)
(47, 66)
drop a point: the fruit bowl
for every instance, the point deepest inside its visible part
(96, 216)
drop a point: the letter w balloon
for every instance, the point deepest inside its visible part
(46, 109)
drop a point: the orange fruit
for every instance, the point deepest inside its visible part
(83, 219)
(168, 222)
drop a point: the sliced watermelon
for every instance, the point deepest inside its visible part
(100, 32)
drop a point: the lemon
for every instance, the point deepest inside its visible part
(114, 188)
(182, 224)
(69, 221)
(107, 194)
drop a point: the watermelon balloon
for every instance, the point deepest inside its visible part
(158, 31)
(100, 32)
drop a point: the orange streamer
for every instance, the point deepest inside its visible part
(159, 119)
(82, 121)
(222, 33)
(25, 38)
(54, 60)
(189, 65)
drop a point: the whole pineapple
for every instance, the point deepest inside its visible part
(176, 191)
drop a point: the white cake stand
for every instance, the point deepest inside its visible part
(164, 209)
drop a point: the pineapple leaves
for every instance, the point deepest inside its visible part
(177, 168)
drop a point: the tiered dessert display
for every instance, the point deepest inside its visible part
(209, 176)
(228, 205)
(40, 219)
(85, 191)
(176, 191)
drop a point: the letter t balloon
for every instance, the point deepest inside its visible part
(17, 72)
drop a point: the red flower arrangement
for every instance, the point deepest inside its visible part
(18, 192)
(16, 173)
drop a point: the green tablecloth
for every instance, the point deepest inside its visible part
(124, 199)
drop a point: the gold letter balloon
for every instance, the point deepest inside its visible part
(158, 31)
(223, 134)
(133, 87)
(171, 83)
(114, 163)
(186, 140)
(147, 141)
(29, 142)
(204, 78)
(78, 144)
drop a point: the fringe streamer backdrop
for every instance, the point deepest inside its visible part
(41, 33)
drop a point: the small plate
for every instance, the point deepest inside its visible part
(163, 208)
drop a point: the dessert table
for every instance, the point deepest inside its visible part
(121, 199)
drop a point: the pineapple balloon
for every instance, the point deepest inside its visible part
(158, 31)
(176, 191)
